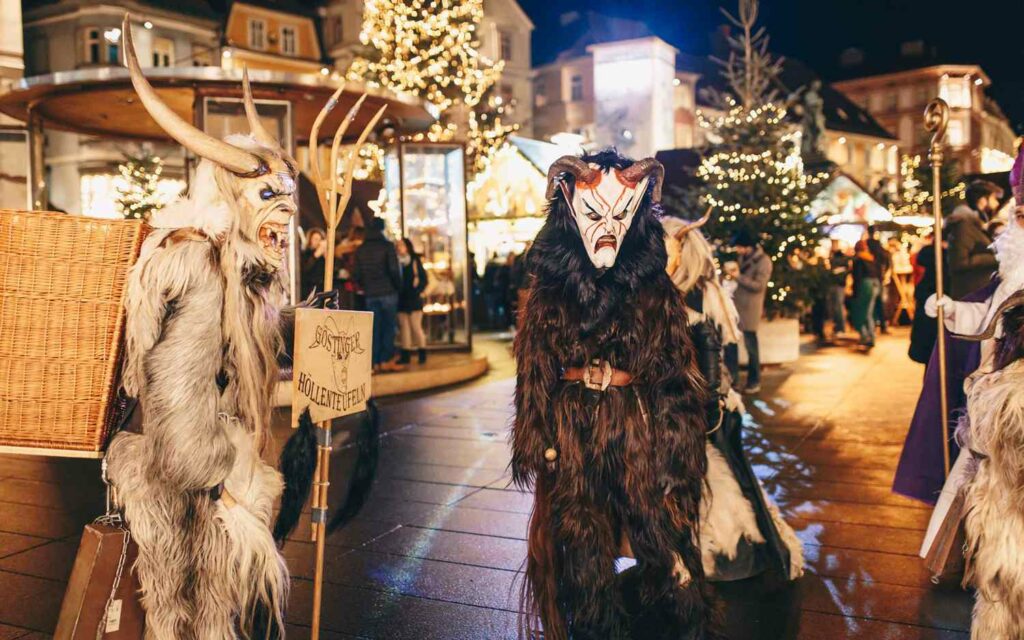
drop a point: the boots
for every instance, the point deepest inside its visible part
(405, 356)
(423, 356)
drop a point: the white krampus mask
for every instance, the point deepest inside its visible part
(604, 201)
(260, 177)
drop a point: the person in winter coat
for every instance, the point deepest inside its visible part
(971, 261)
(755, 270)
(410, 302)
(377, 273)
(867, 283)
(923, 331)
(313, 262)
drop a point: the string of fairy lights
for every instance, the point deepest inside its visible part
(138, 194)
(430, 49)
(755, 173)
(915, 198)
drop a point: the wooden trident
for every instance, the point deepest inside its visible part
(334, 192)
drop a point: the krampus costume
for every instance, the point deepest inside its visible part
(609, 424)
(742, 532)
(992, 437)
(979, 322)
(202, 337)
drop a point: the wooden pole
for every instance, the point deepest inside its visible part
(334, 194)
(936, 117)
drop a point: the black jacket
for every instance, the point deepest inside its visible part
(312, 270)
(971, 262)
(414, 282)
(376, 266)
(924, 332)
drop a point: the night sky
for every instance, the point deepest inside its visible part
(987, 32)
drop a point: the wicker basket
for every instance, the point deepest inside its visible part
(62, 279)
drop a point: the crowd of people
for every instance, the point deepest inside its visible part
(381, 276)
(496, 293)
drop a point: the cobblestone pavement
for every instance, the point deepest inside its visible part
(435, 554)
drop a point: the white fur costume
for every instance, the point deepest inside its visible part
(202, 337)
(727, 516)
(995, 504)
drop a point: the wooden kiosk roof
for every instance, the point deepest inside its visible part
(102, 101)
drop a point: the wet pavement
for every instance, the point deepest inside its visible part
(436, 553)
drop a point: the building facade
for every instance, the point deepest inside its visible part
(81, 171)
(979, 135)
(264, 36)
(619, 85)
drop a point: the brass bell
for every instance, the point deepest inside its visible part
(550, 454)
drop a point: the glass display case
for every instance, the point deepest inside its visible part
(425, 185)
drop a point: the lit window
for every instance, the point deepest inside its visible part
(956, 91)
(257, 34)
(955, 133)
(505, 42)
(288, 41)
(576, 89)
(91, 40)
(163, 52)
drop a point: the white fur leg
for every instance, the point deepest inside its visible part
(726, 515)
(789, 537)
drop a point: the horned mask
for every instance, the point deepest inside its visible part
(604, 202)
(258, 177)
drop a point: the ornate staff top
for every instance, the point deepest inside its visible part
(936, 117)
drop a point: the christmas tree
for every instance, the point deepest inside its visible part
(915, 198)
(752, 171)
(137, 197)
(429, 48)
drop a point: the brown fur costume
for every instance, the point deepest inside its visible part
(631, 459)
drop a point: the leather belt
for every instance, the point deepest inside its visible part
(598, 376)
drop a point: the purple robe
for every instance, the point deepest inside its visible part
(921, 471)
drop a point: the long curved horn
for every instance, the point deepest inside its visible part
(643, 168)
(568, 164)
(1014, 300)
(259, 132)
(696, 224)
(235, 160)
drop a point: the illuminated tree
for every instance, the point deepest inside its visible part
(752, 171)
(915, 198)
(429, 48)
(137, 197)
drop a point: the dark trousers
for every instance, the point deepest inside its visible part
(385, 323)
(732, 360)
(836, 306)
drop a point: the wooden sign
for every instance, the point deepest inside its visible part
(333, 366)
